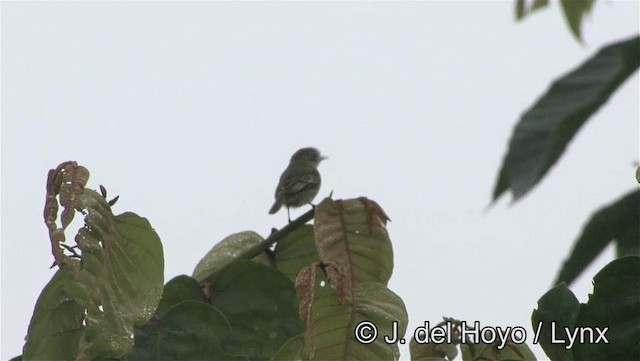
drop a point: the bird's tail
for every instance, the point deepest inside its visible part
(276, 207)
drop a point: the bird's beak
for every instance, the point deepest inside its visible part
(322, 157)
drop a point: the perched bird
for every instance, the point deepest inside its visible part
(300, 182)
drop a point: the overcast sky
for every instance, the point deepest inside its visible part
(190, 112)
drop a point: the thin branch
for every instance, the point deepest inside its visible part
(264, 245)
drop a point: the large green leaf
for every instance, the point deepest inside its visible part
(117, 284)
(545, 130)
(612, 310)
(331, 335)
(296, 251)
(619, 221)
(614, 305)
(190, 330)
(56, 324)
(260, 304)
(179, 289)
(226, 251)
(558, 308)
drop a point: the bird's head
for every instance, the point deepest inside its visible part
(308, 155)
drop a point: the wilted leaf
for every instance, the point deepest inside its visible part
(67, 182)
(352, 241)
(117, 284)
(305, 290)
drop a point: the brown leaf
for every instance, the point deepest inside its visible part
(66, 181)
(338, 227)
(305, 290)
(305, 286)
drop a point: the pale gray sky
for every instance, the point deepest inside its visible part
(190, 112)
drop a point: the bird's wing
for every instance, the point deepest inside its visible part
(300, 184)
(294, 183)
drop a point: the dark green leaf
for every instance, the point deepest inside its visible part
(628, 242)
(290, 350)
(613, 308)
(614, 304)
(190, 330)
(558, 307)
(261, 306)
(617, 221)
(295, 251)
(545, 130)
(179, 289)
(56, 325)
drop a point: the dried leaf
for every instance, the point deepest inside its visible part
(66, 181)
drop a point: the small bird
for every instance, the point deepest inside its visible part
(300, 182)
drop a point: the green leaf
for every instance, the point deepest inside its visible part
(617, 221)
(613, 308)
(558, 307)
(290, 350)
(614, 304)
(296, 251)
(191, 330)
(432, 350)
(522, 9)
(260, 304)
(179, 289)
(226, 251)
(628, 243)
(117, 285)
(56, 324)
(545, 130)
(574, 12)
(332, 334)
(511, 352)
